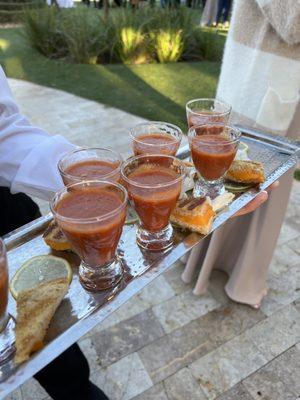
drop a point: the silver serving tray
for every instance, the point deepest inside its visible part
(81, 311)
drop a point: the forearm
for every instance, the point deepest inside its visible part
(284, 16)
(28, 155)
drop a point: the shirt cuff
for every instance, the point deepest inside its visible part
(38, 174)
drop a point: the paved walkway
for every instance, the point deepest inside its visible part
(166, 343)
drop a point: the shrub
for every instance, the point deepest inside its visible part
(43, 30)
(83, 35)
(169, 30)
(13, 11)
(204, 45)
(169, 45)
(128, 36)
(129, 45)
(9, 16)
(11, 6)
(79, 34)
(176, 19)
(147, 34)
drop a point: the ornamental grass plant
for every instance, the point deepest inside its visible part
(127, 34)
(83, 35)
(43, 31)
(170, 30)
(205, 45)
(169, 45)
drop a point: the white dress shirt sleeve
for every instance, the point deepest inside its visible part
(28, 155)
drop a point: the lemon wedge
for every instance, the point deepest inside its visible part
(39, 270)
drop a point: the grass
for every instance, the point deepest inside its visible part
(153, 91)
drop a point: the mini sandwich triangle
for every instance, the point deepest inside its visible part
(35, 309)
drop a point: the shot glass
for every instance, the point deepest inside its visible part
(202, 111)
(213, 149)
(154, 184)
(7, 337)
(91, 214)
(155, 138)
(90, 163)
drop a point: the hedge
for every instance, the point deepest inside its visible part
(13, 11)
(83, 35)
(19, 6)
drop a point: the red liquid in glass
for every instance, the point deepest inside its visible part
(95, 242)
(154, 205)
(206, 117)
(91, 169)
(155, 143)
(212, 155)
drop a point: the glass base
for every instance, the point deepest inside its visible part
(155, 241)
(7, 340)
(100, 278)
(211, 189)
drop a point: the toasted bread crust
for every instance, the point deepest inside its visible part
(194, 214)
(54, 237)
(243, 171)
(35, 309)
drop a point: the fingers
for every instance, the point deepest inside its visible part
(258, 201)
(254, 204)
(274, 185)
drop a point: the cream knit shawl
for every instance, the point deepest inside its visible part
(260, 74)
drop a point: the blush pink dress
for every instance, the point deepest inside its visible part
(260, 79)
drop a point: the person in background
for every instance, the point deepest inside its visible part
(134, 4)
(223, 12)
(260, 78)
(209, 14)
(28, 164)
(190, 3)
(61, 3)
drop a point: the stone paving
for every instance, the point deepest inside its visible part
(166, 343)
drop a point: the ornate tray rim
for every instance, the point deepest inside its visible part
(89, 321)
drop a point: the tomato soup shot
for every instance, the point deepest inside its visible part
(213, 149)
(203, 111)
(89, 164)
(155, 138)
(154, 184)
(91, 214)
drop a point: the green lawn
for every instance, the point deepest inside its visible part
(153, 91)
